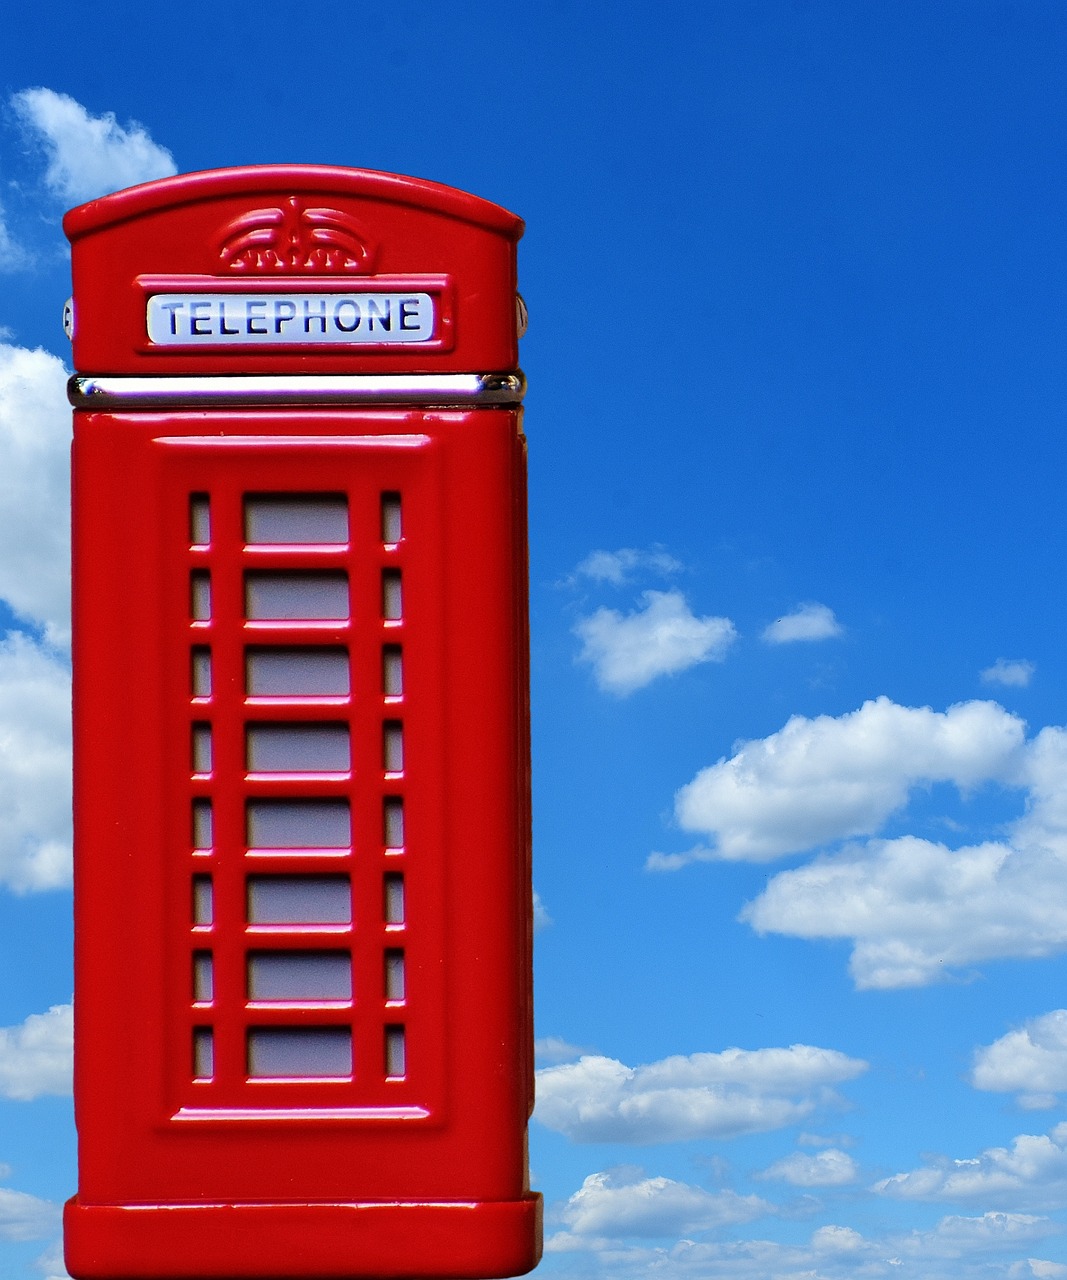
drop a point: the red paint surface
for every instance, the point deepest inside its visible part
(422, 1174)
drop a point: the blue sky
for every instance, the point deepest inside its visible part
(797, 276)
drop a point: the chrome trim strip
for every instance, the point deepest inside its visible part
(233, 391)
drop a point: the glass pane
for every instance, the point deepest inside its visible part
(392, 596)
(394, 975)
(299, 975)
(395, 1052)
(297, 672)
(298, 824)
(299, 900)
(298, 748)
(296, 518)
(296, 596)
(201, 748)
(203, 824)
(199, 520)
(393, 746)
(200, 596)
(393, 822)
(393, 906)
(299, 1051)
(392, 671)
(391, 527)
(203, 976)
(203, 1053)
(203, 901)
(201, 673)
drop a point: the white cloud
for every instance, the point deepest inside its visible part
(88, 155)
(1031, 1172)
(50, 1263)
(618, 567)
(1016, 672)
(830, 1168)
(12, 256)
(35, 766)
(805, 1139)
(994, 1230)
(36, 1057)
(662, 638)
(1030, 1061)
(35, 429)
(541, 918)
(604, 1206)
(956, 1248)
(704, 1095)
(821, 780)
(555, 1049)
(25, 1217)
(806, 622)
(916, 910)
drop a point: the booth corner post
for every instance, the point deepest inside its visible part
(301, 722)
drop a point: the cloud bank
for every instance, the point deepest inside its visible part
(607, 1206)
(1032, 1173)
(35, 436)
(1030, 1061)
(829, 778)
(704, 1095)
(36, 1058)
(915, 910)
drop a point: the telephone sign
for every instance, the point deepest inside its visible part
(302, 866)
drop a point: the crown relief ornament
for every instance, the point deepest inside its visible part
(295, 238)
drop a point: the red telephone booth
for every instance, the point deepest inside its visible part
(302, 883)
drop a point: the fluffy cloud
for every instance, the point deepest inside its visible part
(36, 1058)
(704, 1095)
(806, 622)
(830, 1168)
(35, 765)
(821, 780)
(12, 255)
(1015, 672)
(1030, 1061)
(50, 1263)
(618, 567)
(915, 909)
(555, 1049)
(653, 1207)
(89, 155)
(1032, 1171)
(25, 1217)
(35, 487)
(956, 1248)
(662, 638)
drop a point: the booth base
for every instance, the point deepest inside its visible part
(476, 1241)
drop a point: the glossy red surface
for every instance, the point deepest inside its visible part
(252, 230)
(393, 1143)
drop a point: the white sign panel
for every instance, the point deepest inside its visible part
(244, 319)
